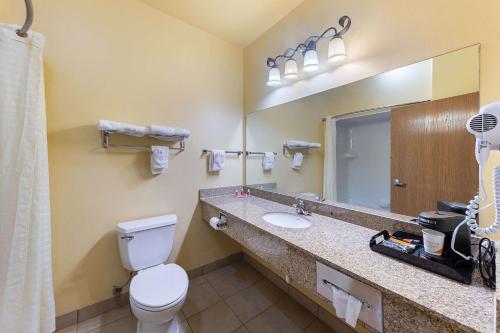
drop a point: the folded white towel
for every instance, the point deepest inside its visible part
(216, 159)
(339, 300)
(298, 158)
(159, 159)
(296, 144)
(352, 310)
(268, 161)
(301, 144)
(124, 128)
(159, 131)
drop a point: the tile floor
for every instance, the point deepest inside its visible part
(234, 298)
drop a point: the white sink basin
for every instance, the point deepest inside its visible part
(287, 220)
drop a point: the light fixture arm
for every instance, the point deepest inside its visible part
(310, 42)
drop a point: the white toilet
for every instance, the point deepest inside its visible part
(158, 290)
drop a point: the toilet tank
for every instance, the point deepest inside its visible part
(146, 242)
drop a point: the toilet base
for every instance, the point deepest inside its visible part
(171, 326)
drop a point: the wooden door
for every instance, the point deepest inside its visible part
(432, 154)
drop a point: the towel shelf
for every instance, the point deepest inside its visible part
(257, 153)
(106, 142)
(239, 152)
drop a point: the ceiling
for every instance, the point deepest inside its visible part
(237, 21)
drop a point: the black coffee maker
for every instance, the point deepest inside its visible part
(446, 221)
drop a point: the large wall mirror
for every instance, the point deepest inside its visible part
(395, 142)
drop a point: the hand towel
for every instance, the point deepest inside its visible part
(298, 158)
(313, 145)
(124, 128)
(339, 300)
(216, 159)
(159, 159)
(161, 131)
(352, 310)
(268, 161)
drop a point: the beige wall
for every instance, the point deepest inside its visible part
(385, 34)
(126, 61)
(456, 73)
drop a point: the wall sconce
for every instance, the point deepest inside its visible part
(336, 53)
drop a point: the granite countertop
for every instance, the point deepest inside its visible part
(345, 246)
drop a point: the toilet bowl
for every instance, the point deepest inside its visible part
(156, 295)
(159, 290)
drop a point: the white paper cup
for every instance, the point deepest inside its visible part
(433, 241)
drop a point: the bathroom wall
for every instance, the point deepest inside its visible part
(384, 35)
(127, 61)
(456, 73)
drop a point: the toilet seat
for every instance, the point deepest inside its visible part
(159, 287)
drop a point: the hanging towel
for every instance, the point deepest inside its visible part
(26, 291)
(159, 159)
(352, 310)
(268, 161)
(216, 159)
(160, 131)
(298, 158)
(339, 300)
(124, 128)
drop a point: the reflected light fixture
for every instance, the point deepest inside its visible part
(336, 53)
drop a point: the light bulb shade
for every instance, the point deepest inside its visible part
(311, 62)
(291, 69)
(336, 50)
(274, 77)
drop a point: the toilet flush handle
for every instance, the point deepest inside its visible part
(128, 237)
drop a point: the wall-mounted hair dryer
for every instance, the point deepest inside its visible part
(486, 127)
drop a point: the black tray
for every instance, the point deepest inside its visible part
(461, 272)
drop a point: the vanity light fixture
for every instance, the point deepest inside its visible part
(274, 77)
(311, 59)
(336, 50)
(336, 53)
(291, 69)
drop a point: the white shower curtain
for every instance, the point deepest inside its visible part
(26, 292)
(330, 162)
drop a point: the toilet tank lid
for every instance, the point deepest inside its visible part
(145, 224)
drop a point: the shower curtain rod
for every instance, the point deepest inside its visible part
(23, 32)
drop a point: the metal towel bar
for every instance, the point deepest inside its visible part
(106, 144)
(239, 152)
(365, 305)
(257, 153)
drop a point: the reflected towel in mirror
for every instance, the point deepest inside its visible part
(298, 158)
(268, 161)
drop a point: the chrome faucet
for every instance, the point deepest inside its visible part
(300, 208)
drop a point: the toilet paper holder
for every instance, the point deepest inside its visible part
(223, 220)
(365, 306)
